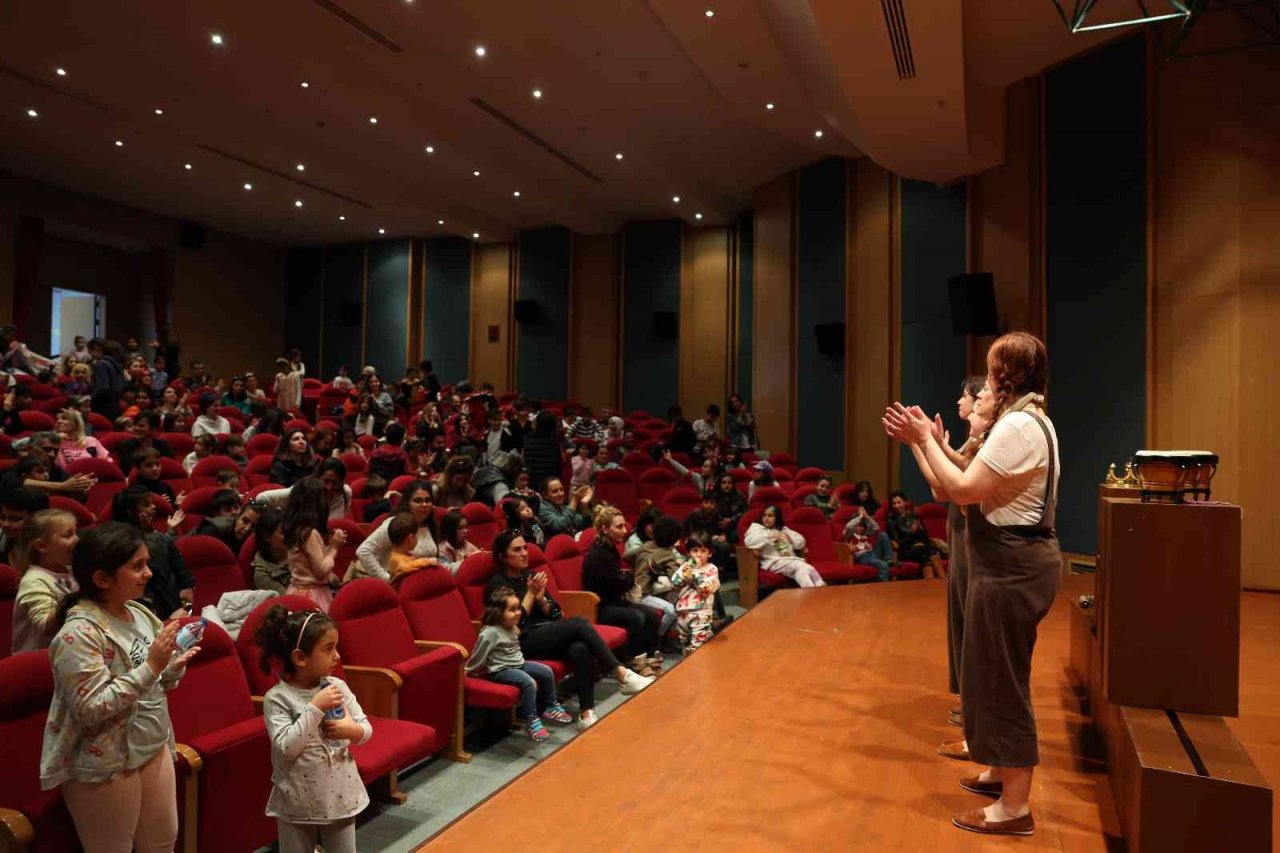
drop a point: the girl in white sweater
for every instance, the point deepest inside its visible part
(312, 719)
(780, 549)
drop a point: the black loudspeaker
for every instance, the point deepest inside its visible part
(351, 313)
(666, 325)
(973, 304)
(830, 338)
(191, 236)
(528, 311)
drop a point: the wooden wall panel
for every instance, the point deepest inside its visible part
(593, 320)
(774, 313)
(705, 333)
(491, 289)
(870, 312)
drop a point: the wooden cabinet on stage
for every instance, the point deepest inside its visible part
(1168, 605)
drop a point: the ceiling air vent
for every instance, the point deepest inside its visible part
(895, 21)
(358, 25)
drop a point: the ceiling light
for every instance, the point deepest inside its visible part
(431, 149)
(342, 218)
(516, 193)
(297, 203)
(382, 231)
(769, 105)
(439, 221)
(475, 235)
(248, 186)
(373, 119)
(119, 143)
(159, 111)
(817, 134)
(216, 38)
(618, 156)
(187, 166)
(480, 51)
(710, 13)
(300, 167)
(697, 216)
(306, 85)
(476, 173)
(61, 72)
(33, 114)
(676, 199)
(537, 93)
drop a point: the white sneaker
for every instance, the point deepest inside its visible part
(633, 683)
(586, 720)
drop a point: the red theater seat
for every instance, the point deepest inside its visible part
(654, 483)
(110, 482)
(616, 487)
(258, 471)
(9, 579)
(205, 474)
(84, 518)
(809, 475)
(215, 569)
(636, 463)
(679, 502)
(482, 524)
(261, 444)
(769, 495)
(181, 443)
(784, 461)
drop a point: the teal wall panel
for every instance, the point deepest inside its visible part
(542, 347)
(650, 284)
(447, 308)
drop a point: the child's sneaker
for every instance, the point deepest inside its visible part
(556, 714)
(535, 730)
(586, 720)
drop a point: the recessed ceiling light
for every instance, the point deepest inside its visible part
(537, 93)
(248, 186)
(439, 221)
(159, 111)
(697, 216)
(676, 199)
(342, 218)
(618, 156)
(306, 85)
(300, 167)
(769, 105)
(61, 72)
(710, 13)
(33, 114)
(382, 231)
(476, 173)
(480, 51)
(475, 235)
(373, 119)
(431, 149)
(119, 143)
(297, 203)
(216, 38)
(187, 166)
(817, 134)
(516, 193)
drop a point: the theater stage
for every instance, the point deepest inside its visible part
(811, 724)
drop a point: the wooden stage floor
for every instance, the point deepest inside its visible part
(811, 725)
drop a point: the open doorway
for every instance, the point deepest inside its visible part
(75, 313)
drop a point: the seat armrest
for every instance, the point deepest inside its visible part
(429, 645)
(189, 757)
(376, 688)
(578, 602)
(16, 832)
(191, 797)
(258, 702)
(844, 554)
(442, 669)
(748, 577)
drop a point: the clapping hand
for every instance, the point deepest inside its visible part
(176, 519)
(940, 433)
(907, 425)
(337, 538)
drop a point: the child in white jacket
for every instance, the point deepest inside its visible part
(697, 579)
(780, 549)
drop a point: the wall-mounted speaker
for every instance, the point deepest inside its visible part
(191, 236)
(666, 325)
(351, 313)
(973, 304)
(528, 310)
(830, 338)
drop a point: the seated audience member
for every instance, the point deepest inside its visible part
(312, 547)
(731, 504)
(16, 401)
(542, 453)
(822, 497)
(764, 477)
(233, 448)
(643, 531)
(870, 545)
(175, 414)
(237, 395)
(364, 420)
(36, 470)
(159, 375)
(683, 439)
(520, 516)
(171, 588)
(730, 458)
(582, 466)
(43, 559)
(379, 502)
(347, 444)
(228, 478)
(342, 382)
(389, 459)
(865, 498)
(604, 573)
(198, 376)
(16, 506)
(75, 444)
(271, 558)
(454, 546)
(324, 442)
(373, 556)
(205, 446)
(383, 404)
(146, 428)
(706, 523)
(603, 460)
(147, 463)
(453, 489)
(293, 460)
(707, 429)
(520, 486)
(253, 390)
(81, 384)
(228, 521)
(558, 516)
(911, 538)
(781, 549)
(582, 428)
(498, 437)
(653, 563)
(332, 474)
(702, 479)
(546, 634)
(209, 422)
(402, 530)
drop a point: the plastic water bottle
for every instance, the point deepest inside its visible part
(337, 712)
(190, 634)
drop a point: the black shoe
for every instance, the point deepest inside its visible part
(717, 627)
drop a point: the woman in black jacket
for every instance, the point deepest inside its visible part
(604, 574)
(542, 457)
(171, 587)
(294, 460)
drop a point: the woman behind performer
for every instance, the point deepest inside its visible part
(1014, 565)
